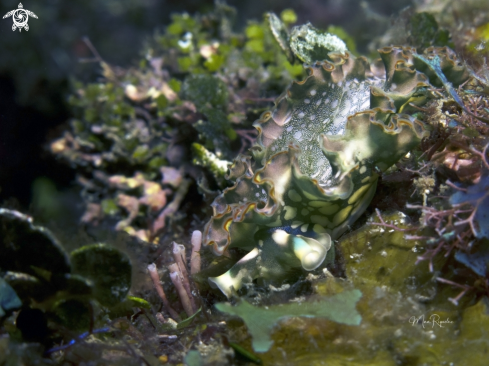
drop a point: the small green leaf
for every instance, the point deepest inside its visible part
(138, 302)
(156, 162)
(294, 70)
(255, 45)
(214, 62)
(175, 29)
(231, 134)
(254, 31)
(161, 102)
(140, 153)
(184, 63)
(175, 85)
(288, 16)
(245, 353)
(109, 207)
(189, 320)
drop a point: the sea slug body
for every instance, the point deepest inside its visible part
(314, 168)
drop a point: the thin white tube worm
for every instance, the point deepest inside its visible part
(153, 272)
(180, 258)
(195, 263)
(175, 276)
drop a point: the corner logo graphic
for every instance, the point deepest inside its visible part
(20, 17)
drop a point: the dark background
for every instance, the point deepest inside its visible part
(36, 66)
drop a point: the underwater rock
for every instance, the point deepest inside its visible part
(314, 168)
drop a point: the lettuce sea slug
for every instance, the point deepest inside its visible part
(314, 168)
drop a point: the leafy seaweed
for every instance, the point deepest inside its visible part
(261, 321)
(52, 291)
(108, 269)
(186, 322)
(425, 31)
(25, 246)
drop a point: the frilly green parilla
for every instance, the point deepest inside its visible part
(314, 168)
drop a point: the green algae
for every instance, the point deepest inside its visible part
(406, 318)
(426, 32)
(40, 277)
(25, 246)
(405, 315)
(261, 320)
(309, 44)
(205, 158)
(108, 269)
